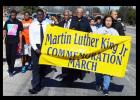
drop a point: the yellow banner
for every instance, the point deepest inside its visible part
(106, 54)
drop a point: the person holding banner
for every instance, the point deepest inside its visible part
(80, 23)
(36, 34)
(104, 80)
(66, 22)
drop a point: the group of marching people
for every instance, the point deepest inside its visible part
(27, 35)
(108, 25)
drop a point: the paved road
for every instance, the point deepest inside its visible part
(19, 84)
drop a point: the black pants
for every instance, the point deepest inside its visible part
(38, 71)
(11, 55)
(72, 74)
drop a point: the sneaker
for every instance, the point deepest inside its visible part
(29, 66)
(98, 87)
(35, 90)
(23, 70)
(105, 92)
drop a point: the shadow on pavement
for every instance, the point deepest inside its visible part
(47, 70)
(116, 87)
(47, 82)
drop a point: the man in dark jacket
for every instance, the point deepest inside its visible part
(66, 21)
(117, 25)
(80, 23)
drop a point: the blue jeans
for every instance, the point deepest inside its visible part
(104, 80)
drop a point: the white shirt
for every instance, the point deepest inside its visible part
(105, 30)
(67, 25)
(47, 20)
(34, 32)
(94, 29)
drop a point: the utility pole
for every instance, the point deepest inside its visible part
(109, 10)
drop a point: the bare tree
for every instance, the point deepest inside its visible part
(106, 10)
